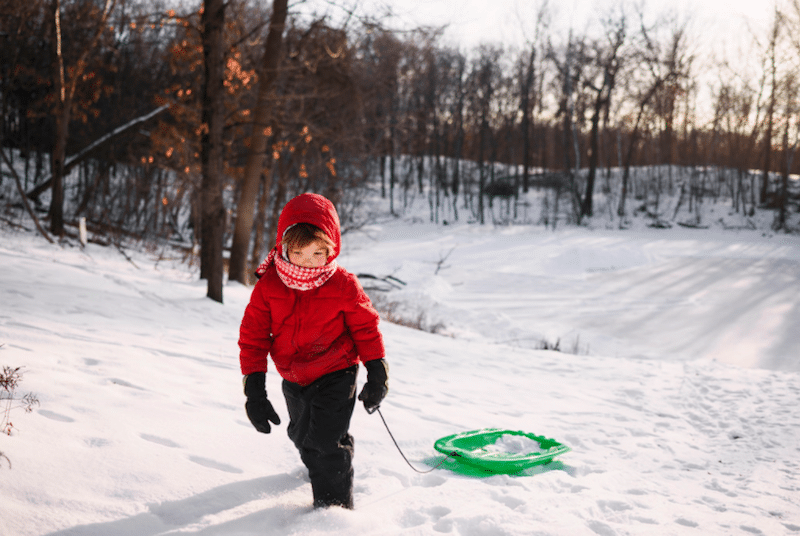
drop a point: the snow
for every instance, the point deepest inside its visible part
(514, 444)
(676, 388)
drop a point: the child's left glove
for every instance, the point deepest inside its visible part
(259, 409)
(377, 385)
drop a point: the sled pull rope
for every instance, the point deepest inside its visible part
(450, 454)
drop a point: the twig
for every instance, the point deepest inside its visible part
(440, 263)
(13, 224)
(126, 256)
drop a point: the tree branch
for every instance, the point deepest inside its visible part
(71, 161)
(24, 198)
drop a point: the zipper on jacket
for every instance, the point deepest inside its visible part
(299, 305)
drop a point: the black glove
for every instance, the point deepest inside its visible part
(377, 385)
(259, 409)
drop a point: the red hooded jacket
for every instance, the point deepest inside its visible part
(309, 333)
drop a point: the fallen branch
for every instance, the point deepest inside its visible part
(127, 257)
(440, 263)
(383, 284)
(71, 161)
(24, 198)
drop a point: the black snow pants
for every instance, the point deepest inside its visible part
(319, 420)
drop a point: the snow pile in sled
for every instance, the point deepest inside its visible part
(510, 444)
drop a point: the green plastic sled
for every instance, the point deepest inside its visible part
(477, 449)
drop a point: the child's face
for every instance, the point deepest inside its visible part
(313, 255)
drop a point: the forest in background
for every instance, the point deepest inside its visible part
(196, 124)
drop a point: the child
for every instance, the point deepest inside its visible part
(317, 323)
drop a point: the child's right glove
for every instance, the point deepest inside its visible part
(259, 409)
(377, 385)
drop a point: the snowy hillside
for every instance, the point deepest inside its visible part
(679, 401)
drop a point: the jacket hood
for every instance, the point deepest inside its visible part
(316, 210)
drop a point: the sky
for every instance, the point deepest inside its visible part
(511, 21)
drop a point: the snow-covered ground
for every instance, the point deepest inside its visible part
(680, 403)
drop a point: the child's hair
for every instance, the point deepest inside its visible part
(302, 234)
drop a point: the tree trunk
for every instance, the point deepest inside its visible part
(627, 164)
(481, 168)
(255, 158)
(261, 218)
(770, 109)
(783, 195)
(63, 107)
(284, 170)
(65, 95)
(527, 87)
(458, 145)
(767, 153)
(212, 225)
(586, 206)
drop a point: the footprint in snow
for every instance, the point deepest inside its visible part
(403, 478)
(96, 442)
(212, 464)
(598, 527)
(431, 481)
(123, 383)
(416, 518)
(508, 500)
(159, 440)
(55, 416)
(614, 506)
(438, 515)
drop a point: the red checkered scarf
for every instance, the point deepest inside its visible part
(297, 277)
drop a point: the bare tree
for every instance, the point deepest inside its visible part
(458, 128)
(385, 52)
(606, 65)
(258, 146)
(65, 84)
(530, 81)
(772, 66)
(485, 78)
(664, 67)
(212, 224)
(570, 64)
(791, 128)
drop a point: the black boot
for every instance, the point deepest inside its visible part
(332, 480)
